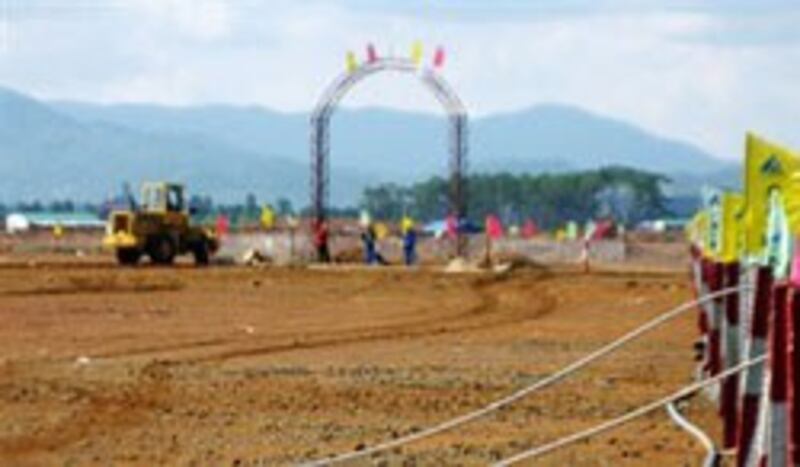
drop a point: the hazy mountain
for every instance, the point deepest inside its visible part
(545, 137)
(572, 138)
(46, 154)
(69, 149)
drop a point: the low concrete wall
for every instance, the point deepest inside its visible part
(551, 251)
(281, 246)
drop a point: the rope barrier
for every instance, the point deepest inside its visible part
(636, 413)
(712, 455)
(541, 384)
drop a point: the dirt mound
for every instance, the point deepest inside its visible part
(511, 263)
(461, 265)
(254, 257)
(350, 255)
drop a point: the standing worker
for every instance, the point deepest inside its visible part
(409, 241)
(321, 241)
(58, 233)
(368, 237)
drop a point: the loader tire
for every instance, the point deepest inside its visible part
(128, 256)
(201, 254)
(162, 250)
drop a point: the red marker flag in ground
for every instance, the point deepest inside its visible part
(603, 229)
(529, 229)
(372, 54)
(223, 226)
(438, 58)
(494, 228)
(452, 226)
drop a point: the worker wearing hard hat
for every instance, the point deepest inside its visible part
(409, 240)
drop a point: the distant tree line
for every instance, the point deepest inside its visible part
(626, 195)
(58, 206)
(203, 208)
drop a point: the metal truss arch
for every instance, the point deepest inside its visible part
(320, 131)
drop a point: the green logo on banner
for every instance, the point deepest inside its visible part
(772, 166)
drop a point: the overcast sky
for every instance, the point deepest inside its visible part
(701, 71)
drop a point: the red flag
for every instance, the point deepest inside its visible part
(438, 58)
(494, 228)
(372, 54)
(529, 230)
(452, 226)
(603, 229)
(222, 225)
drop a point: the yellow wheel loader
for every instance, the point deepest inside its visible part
(158, 227)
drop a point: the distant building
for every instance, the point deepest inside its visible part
(18, 222)
(662, 225)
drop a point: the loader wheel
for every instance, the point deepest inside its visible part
(201, 255)
(128, 256)
(162, 250)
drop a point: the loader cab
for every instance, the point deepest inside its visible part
(163, 198)
(159, 227)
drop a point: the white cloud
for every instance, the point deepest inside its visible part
(199, 19)
(701, 74)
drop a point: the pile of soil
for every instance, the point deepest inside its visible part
(515, 262)
(349, 256)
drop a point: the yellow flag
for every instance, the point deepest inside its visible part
(352, 62)
(267, 217)
(768, 167)
(381, 230)
(697, 229)
(416, 53)
(730, 249)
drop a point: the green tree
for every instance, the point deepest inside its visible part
(284, 207)
(625, 194)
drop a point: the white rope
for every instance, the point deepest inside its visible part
(712, 455)
(636, 413)
(541, 384)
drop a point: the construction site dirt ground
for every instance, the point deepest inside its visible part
(269, 366)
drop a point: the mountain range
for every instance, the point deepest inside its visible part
(64, 149)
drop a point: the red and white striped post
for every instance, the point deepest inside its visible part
(730, 385)
(779, 381)
(754, 376)
(699, 288)
(794, 373)
(713, 273)
(695, 269)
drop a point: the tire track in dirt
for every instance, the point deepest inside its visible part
(482, 316)
(156, 349)
(90, 289)
(94, 265)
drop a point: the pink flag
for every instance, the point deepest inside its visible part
(529, 229)
(795, 273)
(452, 226)
(603, 229)
(222, 225)
(438, 58)
(494, 228)
(372, 54)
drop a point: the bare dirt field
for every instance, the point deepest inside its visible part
(235, 366)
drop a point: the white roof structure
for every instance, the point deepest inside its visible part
(17, 222)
